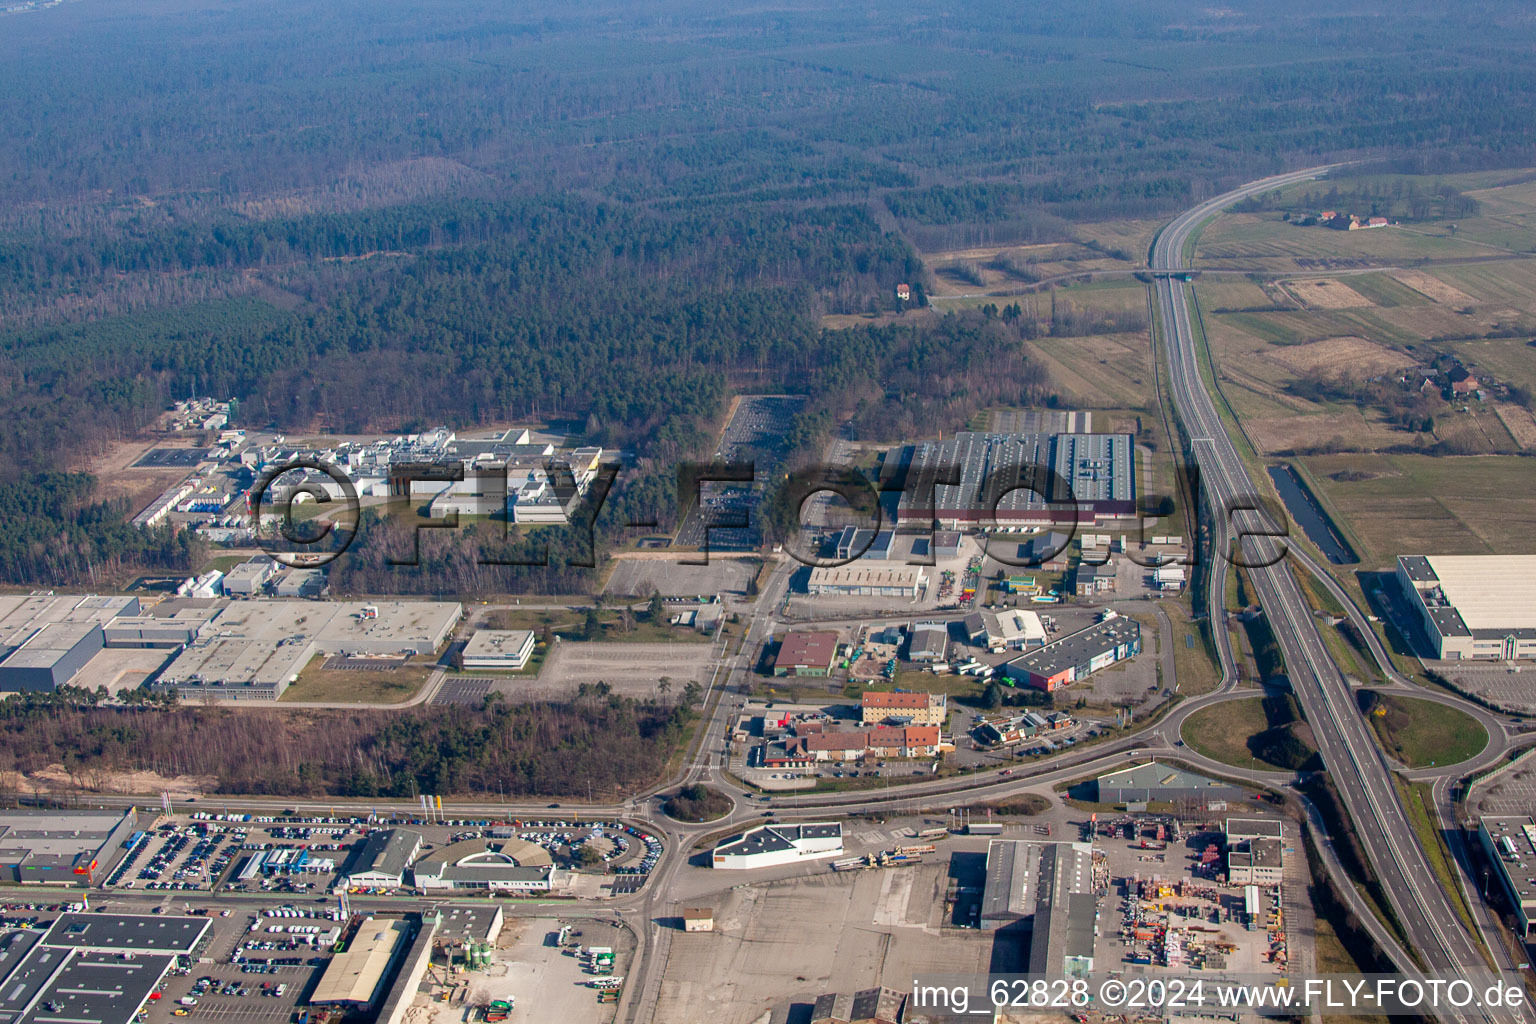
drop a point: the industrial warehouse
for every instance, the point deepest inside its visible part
(255, 649)
(1049, 888)
(1076, 656)
(861, 581)
(1509, 844)
(217, 648)
(1146, 783)
(983, 480)
(45, 640)
(92, 970)
(1473, 606)
(60, 847)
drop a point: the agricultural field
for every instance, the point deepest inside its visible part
(1445, 504)
(1112, 370)
(1324, 293)
(1510, 282)
(1265, 242)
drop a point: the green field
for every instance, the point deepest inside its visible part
(1422, 733)
(1100, 371)
(1222, 731)
(1192, 665)
(1445, 504)
(345, 686)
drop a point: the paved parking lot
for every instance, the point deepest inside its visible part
(171, 458)
(547, 984)
(632, 669)
(755, 434)
(1510, 685)
(642, 577)
(462, 690)
(1512, 791)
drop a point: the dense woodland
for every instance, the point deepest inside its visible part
(368, 217)
(602, 745)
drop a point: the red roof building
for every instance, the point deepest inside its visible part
(806, 654)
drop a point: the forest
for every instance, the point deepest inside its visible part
(371, 217)
(598, 744)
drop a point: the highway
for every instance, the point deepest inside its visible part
(1354, 763)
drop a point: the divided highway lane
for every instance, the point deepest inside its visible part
(1354, 763)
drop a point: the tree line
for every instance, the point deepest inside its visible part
(597, 746)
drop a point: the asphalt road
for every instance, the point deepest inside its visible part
(1353, 760)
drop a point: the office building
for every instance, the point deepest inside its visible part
(504, 650)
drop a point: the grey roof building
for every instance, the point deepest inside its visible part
(139, 933)
(60, 847)
(1162, 782)
(1077, 655)
(384, 857)
(1050, 887)
(94, 988)
(1084, 477)
(929, 641)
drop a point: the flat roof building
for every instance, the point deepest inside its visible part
(462, 923)
(94, 988)
(250, 577)
(1086, 478)
(236, 668)
(1474, 606)
(61, 847)
(253, 650)
(1255, 862)
(46, 639)
(1077, 655)
(1509, 841)
(506, 650)
(138, 933)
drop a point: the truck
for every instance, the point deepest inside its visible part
(498, 1010)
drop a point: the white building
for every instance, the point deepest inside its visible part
(1474, 606)
(506, 650)
(771, 845)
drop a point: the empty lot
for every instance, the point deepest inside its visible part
(632, 669)
(642, 577)
(780, 944)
